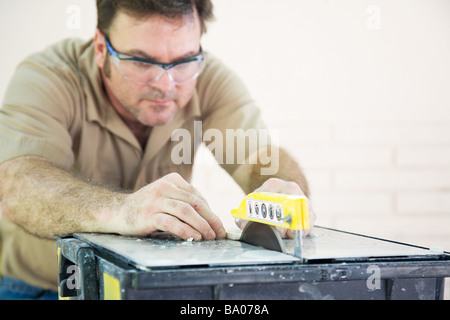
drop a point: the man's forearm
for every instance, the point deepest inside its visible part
(47, 201)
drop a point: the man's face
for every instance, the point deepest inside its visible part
(158, 39)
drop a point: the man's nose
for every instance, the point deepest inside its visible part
(164, 83)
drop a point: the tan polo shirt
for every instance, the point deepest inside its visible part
(55, 107)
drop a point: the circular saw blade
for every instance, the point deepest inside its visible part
(263, 235)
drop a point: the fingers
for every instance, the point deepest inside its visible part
(241, 223)
(276, 185)
(167, 222)
(187, 193)
(184, 202)
(282, 232)
(185, 213)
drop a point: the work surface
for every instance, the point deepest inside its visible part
(335, 265)
(323, 245)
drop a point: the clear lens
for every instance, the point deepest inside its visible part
(146, 73)
(185, 72)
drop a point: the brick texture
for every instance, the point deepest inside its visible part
(362, 103)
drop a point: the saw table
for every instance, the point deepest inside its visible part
(334, 265)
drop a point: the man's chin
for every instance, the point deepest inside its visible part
(159, 120)
(159, 123)
(159, 115)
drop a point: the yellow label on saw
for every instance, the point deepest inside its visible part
(280, 210)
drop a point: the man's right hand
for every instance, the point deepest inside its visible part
(168, 204)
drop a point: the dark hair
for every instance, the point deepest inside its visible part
(107, 10)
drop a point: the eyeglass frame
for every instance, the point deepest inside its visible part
(165, 66)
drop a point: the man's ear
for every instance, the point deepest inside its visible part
(100, 48)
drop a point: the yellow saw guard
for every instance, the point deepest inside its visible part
(273, 210)
(276, 209)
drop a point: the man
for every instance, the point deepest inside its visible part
(85, 133)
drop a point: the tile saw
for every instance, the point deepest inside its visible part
(265, 211)
(326, 264)
(259, 243)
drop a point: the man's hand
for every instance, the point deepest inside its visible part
(48, 201)
(169, 204)
(276, 185)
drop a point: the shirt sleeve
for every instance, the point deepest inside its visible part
(231, 114)
(36, 114)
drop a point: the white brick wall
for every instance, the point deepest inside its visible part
(389, 189)
(388, 179)
(421, 203)
(430, 155)
(408, 133)
(364, 108)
